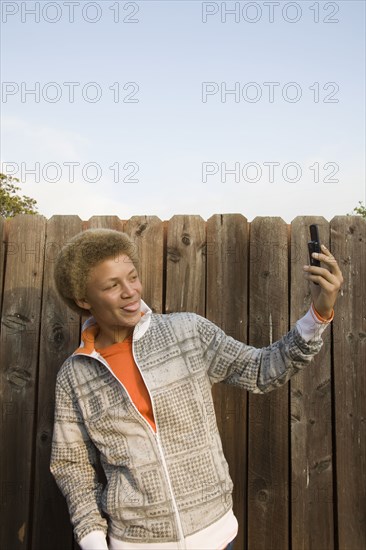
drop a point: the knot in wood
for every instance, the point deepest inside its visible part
(186, 239)
(19, 378)
(16, 322)
(58, 337)
(173, 255)
(141, 229)
(322, 465)
(263, 495)
(324, 387)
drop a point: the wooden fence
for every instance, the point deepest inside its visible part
(296, 455)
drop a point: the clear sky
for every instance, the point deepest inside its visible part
(131, 111)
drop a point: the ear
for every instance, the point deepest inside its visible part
(82, 303)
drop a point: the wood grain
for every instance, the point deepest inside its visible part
(21, 318)
(348, 244)
(299, 485)
(227, 288)
(104, 222)
(3, 247)
(60, 334)
(186, 265)
(312, 502)
(147, 233)
(268, 445)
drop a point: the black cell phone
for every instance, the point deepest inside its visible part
(314, 245)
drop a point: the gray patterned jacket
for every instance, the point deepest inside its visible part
(164, 486)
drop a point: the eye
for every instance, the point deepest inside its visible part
(110, 286)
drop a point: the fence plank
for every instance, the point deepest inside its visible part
(148, 234)
(19, 360)
(107, 222)
(2, 258)
(311, 414)
(268, 460)
(59, 338)
(186, 265)
(227, 281)
(348, 244)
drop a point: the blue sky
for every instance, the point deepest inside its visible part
(177, 144)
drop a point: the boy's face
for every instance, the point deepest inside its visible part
(113, 294)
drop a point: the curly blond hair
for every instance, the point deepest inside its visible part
(83, 252)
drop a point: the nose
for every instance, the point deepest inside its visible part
(126, 290)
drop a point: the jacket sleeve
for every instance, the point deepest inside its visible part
(73, 460)
(258, 370)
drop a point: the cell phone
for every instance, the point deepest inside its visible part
(314, 245)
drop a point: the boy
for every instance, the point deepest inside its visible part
(138, 392)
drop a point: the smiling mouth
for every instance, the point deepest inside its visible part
(132, 307)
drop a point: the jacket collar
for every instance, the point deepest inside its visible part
(90, 329)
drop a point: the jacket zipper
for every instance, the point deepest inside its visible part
(181, 543)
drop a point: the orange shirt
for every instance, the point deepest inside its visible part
(120, 358)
